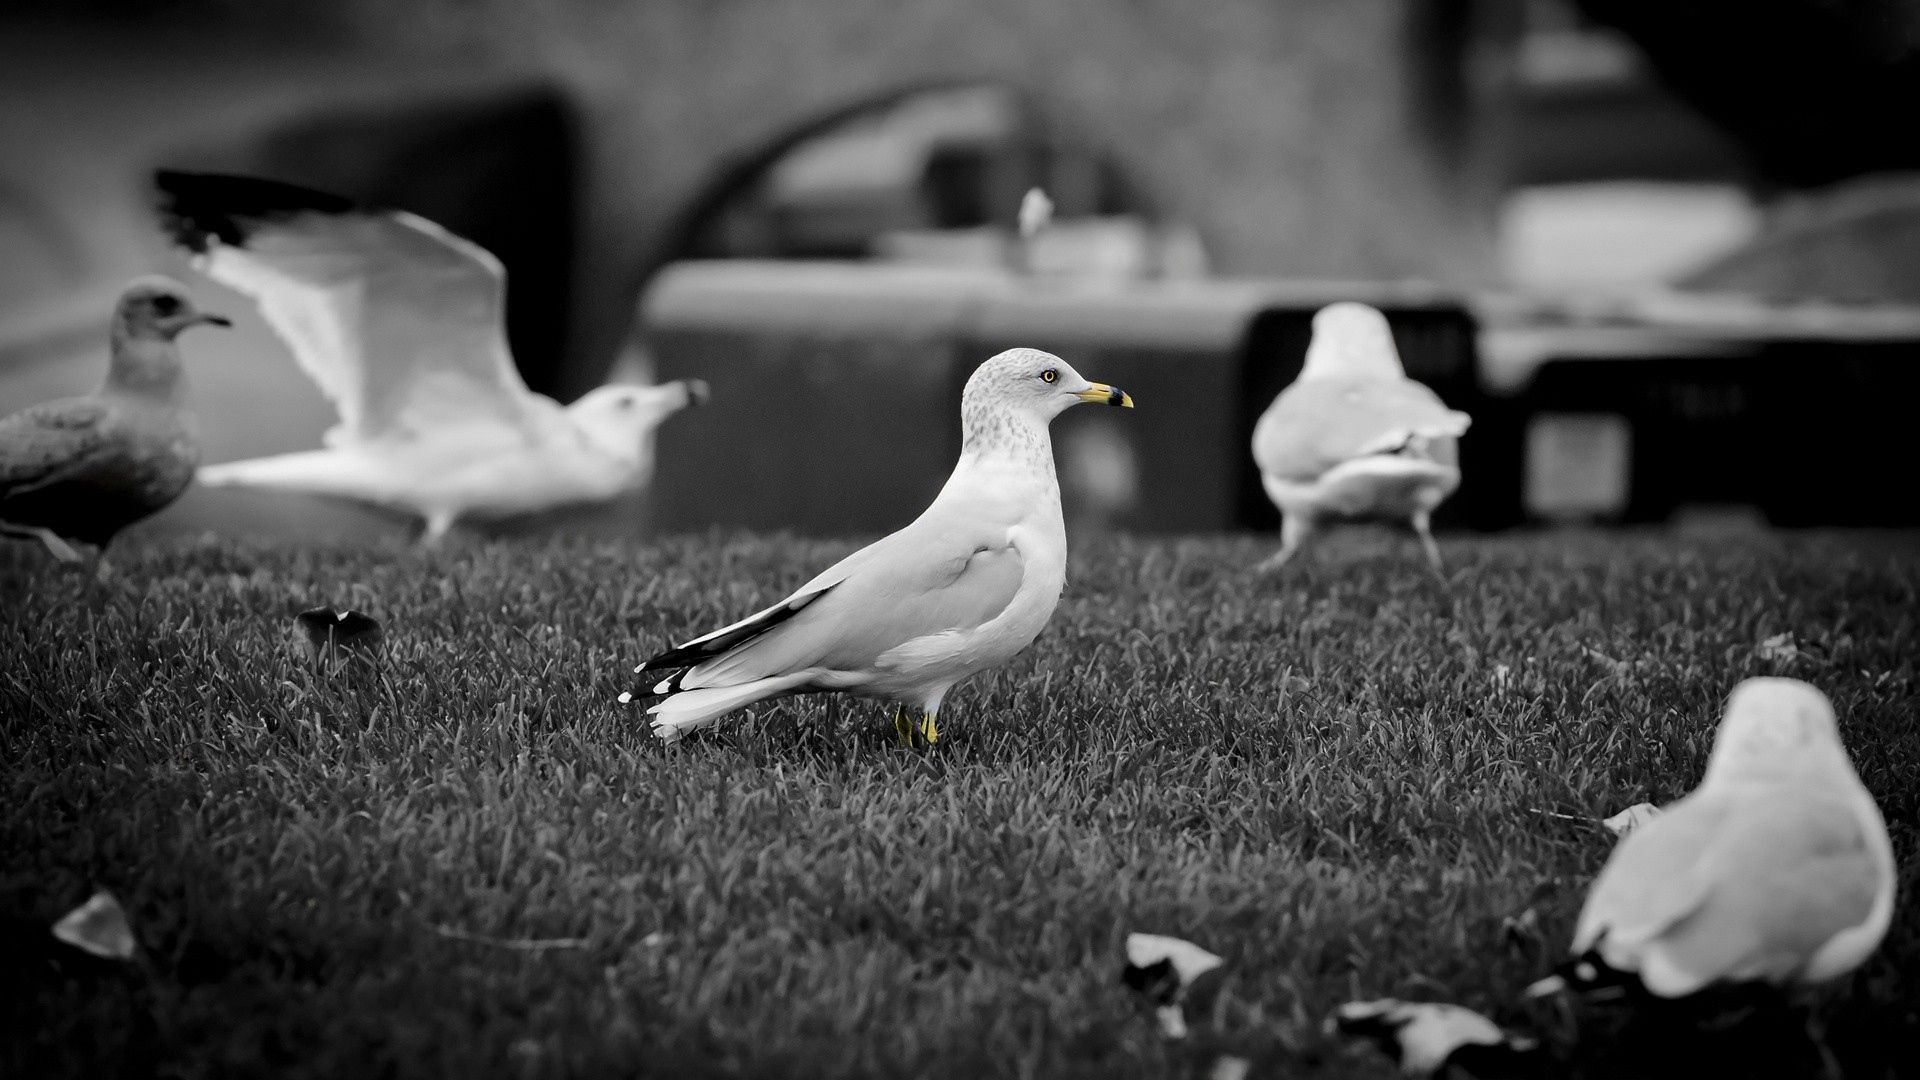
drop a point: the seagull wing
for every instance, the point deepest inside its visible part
(47, 444)
(1316, 424)
(927, 579)
(399, 322)
(1743, 886)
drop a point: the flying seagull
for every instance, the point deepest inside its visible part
(1354, 439)
(400, 323)
(84, 468)
(1776, 869)
(962, 589)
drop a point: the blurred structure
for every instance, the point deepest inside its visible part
(1540, 177)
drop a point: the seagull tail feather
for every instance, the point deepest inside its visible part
(688, 709)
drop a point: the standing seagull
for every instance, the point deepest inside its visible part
(84, 468)
(1353, 438)
(963, 588)
(401, 324)
(1776, 869)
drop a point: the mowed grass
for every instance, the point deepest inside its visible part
(473, 862)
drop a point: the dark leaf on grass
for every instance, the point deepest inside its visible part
(337, 633)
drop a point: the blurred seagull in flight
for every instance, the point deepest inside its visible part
(962, 589)
(1776, 869)
(84, 468)
(401, 324)
(1354, 439)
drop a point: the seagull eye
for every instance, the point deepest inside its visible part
(626, 403)
(1050, 376)
(166, 305)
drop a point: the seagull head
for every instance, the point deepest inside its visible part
(157, 308)
(1776, 728)
(619, 416)
(1036, 384)
(1351, 340)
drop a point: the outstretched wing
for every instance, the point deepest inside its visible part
(399, 322)
(1316, 424)
(49, 443)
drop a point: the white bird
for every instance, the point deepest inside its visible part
(401, 324)
(1354, 439)
(1036, 212)
(83, 468)
(961, 589)
(1776, 869)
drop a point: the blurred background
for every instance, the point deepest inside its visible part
(1667, 255)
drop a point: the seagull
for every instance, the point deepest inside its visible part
(961, 589)
(1354, 439)
(1776, 869)
(399, 322)
(84, 468)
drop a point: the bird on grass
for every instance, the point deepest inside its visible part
(961, 589)
(401, 324)
(1354, 439)
(81, 469)
(1776, 870)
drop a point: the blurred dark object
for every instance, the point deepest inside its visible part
(835, 405)
(495, 165)
(870, 361)
(1676, 402)
(1814, 91)
(335, 636)
(1854, 242)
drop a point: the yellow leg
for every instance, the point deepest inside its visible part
(901, 727)
(929, 729)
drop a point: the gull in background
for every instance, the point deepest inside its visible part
(401, 324)
(84, 468)
(1776, 869)
(961, 589)
(1354, 439)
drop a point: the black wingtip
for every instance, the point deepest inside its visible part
(195, 207)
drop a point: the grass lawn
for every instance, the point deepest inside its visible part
(472, 862)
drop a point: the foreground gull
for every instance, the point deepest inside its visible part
(401, 324)
(963, 588)
(1776, 869)
(1353, 438)
(84, 468)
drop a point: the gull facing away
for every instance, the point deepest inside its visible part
(84, 468)
(401, 324)
(1354, 439)
(963, 588)
(1776, 869)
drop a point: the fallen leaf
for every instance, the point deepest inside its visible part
(1631, 818)
(98, 926)
(1427, 1037)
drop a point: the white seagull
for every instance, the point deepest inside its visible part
(1776, 869)
(1354, 439)
(401, 324)
(963, 588)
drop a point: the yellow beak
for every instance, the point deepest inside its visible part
(1102, 394)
